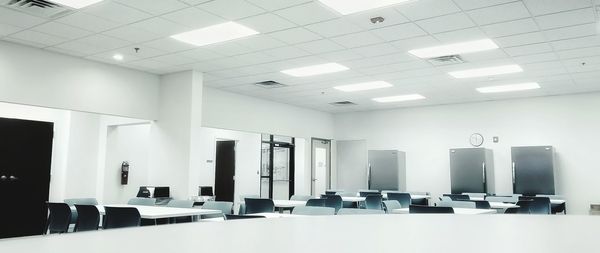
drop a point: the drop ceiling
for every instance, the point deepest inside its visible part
(556, 42)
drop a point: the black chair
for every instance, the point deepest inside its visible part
(403, 198)
(254, 205)
(333, 201)
(512, 210)
(330, 192)
(242, 217)
(524, 206)
(121, 217)
(429, 209)
(315, 202)
(88, 218)
(482, 204)
(366, 193)
(59, 218)
(374, 202)
(540, 205)
(457, 197)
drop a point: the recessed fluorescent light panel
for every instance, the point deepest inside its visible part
(400, 98)
(215, 34)
(490, 71)
(509, 88)
(454, 49)
(118, 57)
(363, 86)
(315, 70)
(76, 4)
(346, 7)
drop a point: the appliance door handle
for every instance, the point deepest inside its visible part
(13, 178)
(483, 171)
(369, 177)
(3, 178)
(513, 172)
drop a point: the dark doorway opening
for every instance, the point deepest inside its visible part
(225, 171)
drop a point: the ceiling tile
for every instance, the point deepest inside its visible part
(357, 39)
(590, 41)
(132, 34)
(174, 59)
(115, 12)
(103, 41)
(572, 32)
(579, 52)
(161, 26)
(363, 19)
(424, 9)
(38, 37)
(231, 9)
(87, 22)
(154, 7)
(272, 5)
(168, 45)
(333, 28)
(61, 30)
(510, 28)
(375, 50)
(18, 19)
(320, 46)
(80, 48)
(200, 54)
(260, 42)
(341, 55)
(194, 18)
(476, 4)
(228, 48)
(6, 29)
(398, 32)
(535, 58)
(568, 18)
(417, 42)
(529, 49)
(295, 35)
(446, 23)
(286, 52)
(499, 13)
(542, 7)
(24, 42)
(308, 13)
(266, 23)
(521, 39)
(468, 34)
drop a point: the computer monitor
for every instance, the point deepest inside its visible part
(162, 192)
(205, 191)
(144, 192)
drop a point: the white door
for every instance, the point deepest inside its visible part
(321, 164)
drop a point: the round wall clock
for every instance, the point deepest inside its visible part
(476, 140)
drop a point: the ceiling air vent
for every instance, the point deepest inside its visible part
(446, 60)
(342, 103)
(270, 84)
(40, 8)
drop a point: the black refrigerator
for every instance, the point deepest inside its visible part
(472, 170)
(533, 170)
(25, 159)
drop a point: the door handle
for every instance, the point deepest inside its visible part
(513, 172)
(13, 178)
(483, 171)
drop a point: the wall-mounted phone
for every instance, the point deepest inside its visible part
(124, 172)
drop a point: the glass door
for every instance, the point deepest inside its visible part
(277, 169)
(321, 166)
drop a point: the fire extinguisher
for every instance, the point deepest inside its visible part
(124, 172)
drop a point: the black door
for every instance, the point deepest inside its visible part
(25, 159)
(225, 171)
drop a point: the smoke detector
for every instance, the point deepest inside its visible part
(39, 8)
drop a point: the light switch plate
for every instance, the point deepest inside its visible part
(496, 139)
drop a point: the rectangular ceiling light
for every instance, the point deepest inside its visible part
(215, 34)
(315, 70)
(454, 49)
(400, 98)
(76, 4)
(364, 86)
(509, 88)
(490, 71)
(346, 7)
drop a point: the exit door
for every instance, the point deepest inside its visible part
(225, 171)
(321, 166)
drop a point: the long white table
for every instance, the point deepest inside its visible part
(288, 203)
(158, 212)
(552, 201)
(456, 211)
(493, 233)
(501, 205)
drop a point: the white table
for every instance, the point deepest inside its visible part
(501, 205)
(456, 211)
(494, 233)
(552, 201)
(276, 215)
(288, 203)
(159, 212)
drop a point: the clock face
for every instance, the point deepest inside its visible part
(476, 140)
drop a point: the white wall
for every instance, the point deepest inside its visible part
(238, 112)
(82, 156)
(36, 77)
(569, 123)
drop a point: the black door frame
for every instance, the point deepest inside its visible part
(292, 170)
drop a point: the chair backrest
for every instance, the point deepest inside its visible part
(81, 201)
(313, 210)
(354, 211)
(88, 218)
(513, 210)
(242, 217)
(402, 197)
(333, 192)
(259, 205)
(503, 199)
(525, 206)
(224, 206)
(121, 217)
(334, 201)
(59, 218)
(458, 196)
(300, 197)
(142, 201)
(364, 193)
(540, 205)
(445, 198)
(482, 204)
(249, 196)
(475, 195)
(457, 204)
(181, 203)
(315, 202)
(429, 209)
(390, 205)
(373, 202)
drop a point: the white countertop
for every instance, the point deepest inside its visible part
(492, 233)
(159, 212)
(456, 211)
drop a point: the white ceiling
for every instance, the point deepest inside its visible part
(550, 39)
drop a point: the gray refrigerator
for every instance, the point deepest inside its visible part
(472, 170)
(387, 170)
(533, 170)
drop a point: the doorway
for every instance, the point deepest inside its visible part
(225, 171)
(277, 167)
(320, 166)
